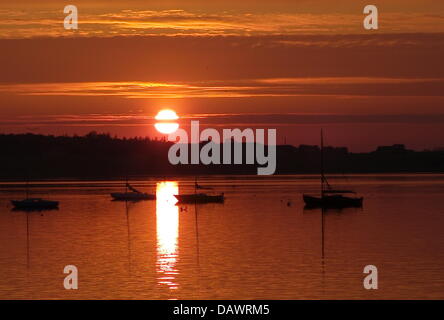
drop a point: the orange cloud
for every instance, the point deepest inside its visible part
(273, 87)
(38, 23)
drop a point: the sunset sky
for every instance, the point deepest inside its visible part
(294, 65)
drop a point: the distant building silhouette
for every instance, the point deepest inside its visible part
(396, 148)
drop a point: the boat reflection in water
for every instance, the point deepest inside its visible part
(167, 220)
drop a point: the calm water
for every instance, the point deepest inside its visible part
(260, 244)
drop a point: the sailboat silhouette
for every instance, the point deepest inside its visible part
(331, 198)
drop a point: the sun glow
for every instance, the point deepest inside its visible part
(166, 127)
(166, 114)
(165, 124)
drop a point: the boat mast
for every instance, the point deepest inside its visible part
(27, 241)
(196, 219)
(322, 164)
(27, 185)
(27, 189)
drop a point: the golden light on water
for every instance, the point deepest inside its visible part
(165, 124)
(167, 228)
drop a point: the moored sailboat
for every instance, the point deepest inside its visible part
(200, 197)
(132, 194)
(34, 204)
(30, 204)
(331, 198)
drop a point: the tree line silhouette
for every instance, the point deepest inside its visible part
(98, 155)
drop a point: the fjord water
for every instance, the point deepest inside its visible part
(260, 244)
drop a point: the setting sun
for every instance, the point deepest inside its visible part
(166, 114)
(164, 125)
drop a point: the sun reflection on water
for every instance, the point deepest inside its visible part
(167, 220)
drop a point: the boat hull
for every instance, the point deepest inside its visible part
(336, 201)
(200, 198)
(34, 204)
(132, 196)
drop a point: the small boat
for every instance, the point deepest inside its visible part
(34, 204)
(331, 198)
(132, 195)
(200, 198)
(332, 201)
